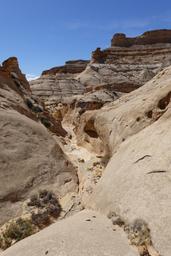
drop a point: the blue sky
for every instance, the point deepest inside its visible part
(46, 33)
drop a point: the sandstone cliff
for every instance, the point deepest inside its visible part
(60, 82)
(126, 66)
(30, 158)
(122, 67)
(72, 67)
(149, 37)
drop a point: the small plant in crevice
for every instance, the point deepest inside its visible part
(15, 231)
(42, 209)
(46, 208)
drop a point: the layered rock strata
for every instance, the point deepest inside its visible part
(125, 66)
(71, 67)
(149, 37)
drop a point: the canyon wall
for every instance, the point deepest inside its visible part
(30, 158)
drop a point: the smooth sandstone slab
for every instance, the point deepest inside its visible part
(86, 233)
(137, 179)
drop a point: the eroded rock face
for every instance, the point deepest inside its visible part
(71, 67)
(129, 62)
(10, 68)
(136, 182)
(56, 87)
(125, 66)
(149, 37)
(60, 82)
(30, 158)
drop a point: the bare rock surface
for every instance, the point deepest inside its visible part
(30, 158)
(125, 66)
(129, 62)
(72, 67)
(86, 233)
(136, 181)
(149, 37)
(60, 82)
(56, 86)
(133, 112)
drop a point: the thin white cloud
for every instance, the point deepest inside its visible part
(31, 77)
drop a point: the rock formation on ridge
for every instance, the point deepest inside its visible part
(121, 67)
(162, 36)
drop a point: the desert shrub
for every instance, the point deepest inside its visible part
(16, 231)
(41, 219)
(44, 208)
(48, 206)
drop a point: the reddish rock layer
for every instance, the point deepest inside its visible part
(10, 69)
(72, 67)
(149, 37)
(14, 83)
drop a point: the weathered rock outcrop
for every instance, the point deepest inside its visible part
(60, 82)
(125, 66)
(136, 182)
(56, 87)
(120, 120)
(30, 158)
(71, 67)
(149, 37)
(129, 62)
(115, 70)
(16, 95)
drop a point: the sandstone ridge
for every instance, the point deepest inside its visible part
(116, 68)
(73, 67)
(149, 37)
